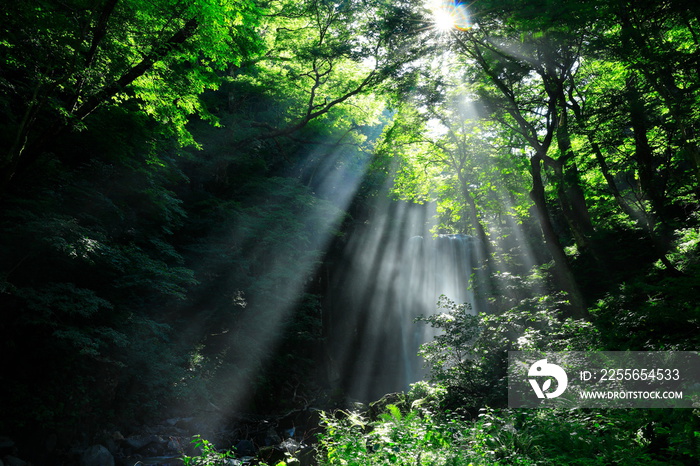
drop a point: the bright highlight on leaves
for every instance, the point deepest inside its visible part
(448, 15)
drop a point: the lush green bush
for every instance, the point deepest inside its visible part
(414, 437)
(207, 454)
(469, 356)
(511, 437)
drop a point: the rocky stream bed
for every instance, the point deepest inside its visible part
(253, 440)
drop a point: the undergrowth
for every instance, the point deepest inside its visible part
(421, 437)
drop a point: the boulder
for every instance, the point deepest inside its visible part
(289, 445)
(14, 461)
(96, 455)
(6, 442)
(176, 445)
(286, 451)
(138, 443)
(245, 448)
(272, 438)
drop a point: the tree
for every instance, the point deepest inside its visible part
(523, 79)
(64, 60)
(321, 57)
(659, 41)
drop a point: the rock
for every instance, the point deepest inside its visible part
(176, 445)
(96, 455)
(289, 445)
(285, 451)
(139, 442)
(271, 437)
(14, 461)
(185, 423)
(6, 442)
(307, 456)
(179, 421)
(245, 448)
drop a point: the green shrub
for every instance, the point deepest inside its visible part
(415, 437)
(512, 437)
(208, 454)
(469, 356)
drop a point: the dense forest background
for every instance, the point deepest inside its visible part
(180, 181)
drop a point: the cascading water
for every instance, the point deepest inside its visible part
(388, 278)
(432, 267)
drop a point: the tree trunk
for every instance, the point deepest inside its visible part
(484, 272)
(564, 276)
(569, 192)
(644, 156)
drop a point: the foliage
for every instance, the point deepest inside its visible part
(395, 438)
(84, 261)
(573, 437)
(511, 437)
(115, 238)
(63, 60)
(656, 311)
(469, 355)
(208, 454)
(174, 172)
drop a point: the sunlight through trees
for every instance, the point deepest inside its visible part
(210, 208)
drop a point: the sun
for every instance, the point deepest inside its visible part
(443, 19)
(448, 15)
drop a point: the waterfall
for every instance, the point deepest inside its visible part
(385, 280)
(431, 268)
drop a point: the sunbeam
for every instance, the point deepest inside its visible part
(275, 249)
(393, 271)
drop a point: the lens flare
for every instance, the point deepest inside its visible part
(443, 20)
(448, 15)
